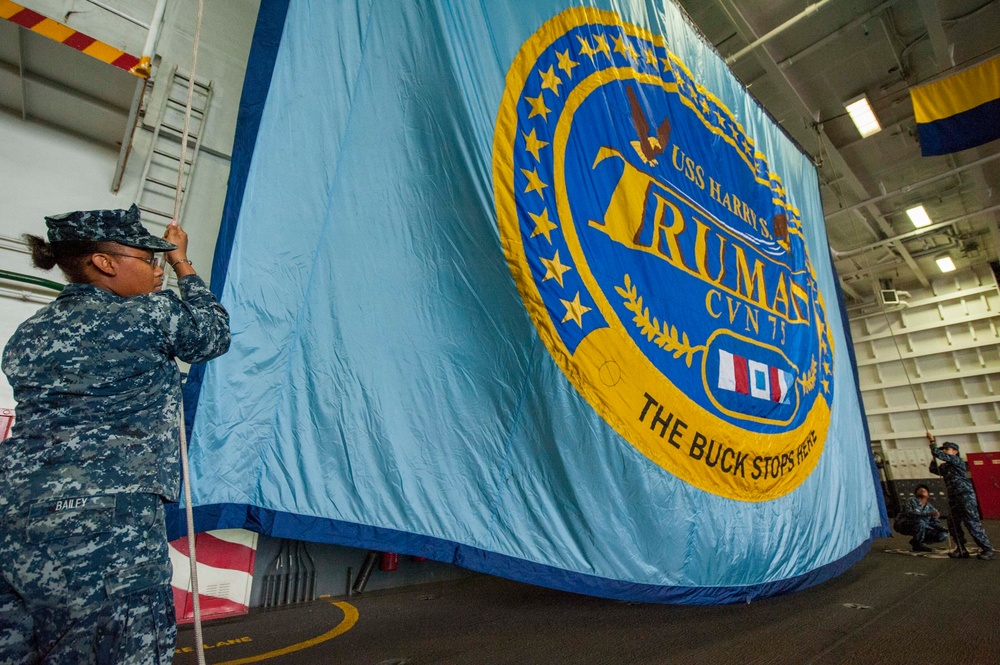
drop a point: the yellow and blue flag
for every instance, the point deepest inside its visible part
(960, 111)
(537, 290)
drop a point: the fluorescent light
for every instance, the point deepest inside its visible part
(946, 264)
(919, 217)
(863, 116)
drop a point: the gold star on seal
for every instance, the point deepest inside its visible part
(554, 269)
(535, 183)
(543, 226)
(586, 48)
(651, 57)
(533, 144)
(566, 63)
(538, 107)
(550, 80)
(602, 45)
(826, 384)
(574, 310)
(624, 47)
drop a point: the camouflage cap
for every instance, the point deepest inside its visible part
(121, 226)
(949, 444)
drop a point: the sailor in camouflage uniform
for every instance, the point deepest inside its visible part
(94, 453)
(961, 499)
(920, 519)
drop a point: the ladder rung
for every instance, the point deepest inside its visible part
(179, 130)
(176, 158)
(197, 83)
(163, 183)
(168, 215)
(183, 104)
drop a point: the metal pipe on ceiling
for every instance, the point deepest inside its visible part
(795, 57)
(811, 9)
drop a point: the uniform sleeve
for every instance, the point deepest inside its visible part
(950, 460)
(197, 326)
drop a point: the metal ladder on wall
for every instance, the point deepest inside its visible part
(159, 175)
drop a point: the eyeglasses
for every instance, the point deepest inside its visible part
(151, 260)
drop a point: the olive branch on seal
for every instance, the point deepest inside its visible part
(808, 381)
(663, 335)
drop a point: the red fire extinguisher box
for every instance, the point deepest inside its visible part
(985, 470)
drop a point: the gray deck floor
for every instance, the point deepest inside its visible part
(889, 608)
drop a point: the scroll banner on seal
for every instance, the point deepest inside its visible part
(540, 292)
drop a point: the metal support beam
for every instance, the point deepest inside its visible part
(943, 54)
(849, 290)
(909, 188)
(913, 234)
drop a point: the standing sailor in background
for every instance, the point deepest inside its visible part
(951, 467)
(94, 450)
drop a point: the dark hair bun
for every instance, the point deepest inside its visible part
(41, 252)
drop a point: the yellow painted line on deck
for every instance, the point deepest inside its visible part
(350, 618)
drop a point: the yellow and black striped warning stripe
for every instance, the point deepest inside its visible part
(63, 34)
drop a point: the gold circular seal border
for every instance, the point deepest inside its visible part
(601, 355)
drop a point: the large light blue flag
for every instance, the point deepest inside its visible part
(536, 289)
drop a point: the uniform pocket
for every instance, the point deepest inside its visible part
(70, 517)
(137, 578)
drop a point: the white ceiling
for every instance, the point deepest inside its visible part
(804, 74)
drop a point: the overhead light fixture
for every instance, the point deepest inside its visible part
(946, 264)
(863, 116)
(919, 217)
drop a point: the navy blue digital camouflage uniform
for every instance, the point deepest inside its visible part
(916, 519)
(93, 453)
(961, 499)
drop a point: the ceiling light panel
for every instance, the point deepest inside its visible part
(946, 264)
(919, 217)
(863, 116)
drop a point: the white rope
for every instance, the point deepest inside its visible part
(187, 115)
(185, 472)
(199, 640)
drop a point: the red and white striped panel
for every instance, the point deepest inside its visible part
(63, 34)
(225, 573)
(6, 422)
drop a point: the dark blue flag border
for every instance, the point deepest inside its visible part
(260, 68)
